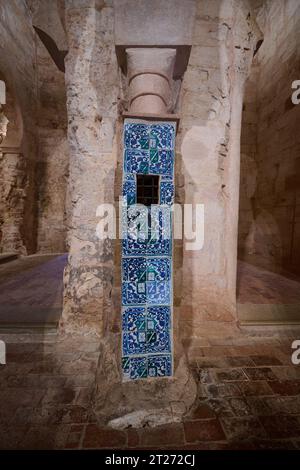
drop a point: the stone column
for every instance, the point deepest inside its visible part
(156, 400)
(209, 144)
(92, 85)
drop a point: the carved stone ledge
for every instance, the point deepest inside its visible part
(152, 117)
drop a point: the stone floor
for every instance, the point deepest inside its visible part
(248, 396)
(260, 286)
(31, 291)
(267, 297)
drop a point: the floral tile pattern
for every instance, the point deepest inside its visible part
(148, 231)
(151, 335)
(129, 191)
(147, 366)
(166, 192)
(147, 253)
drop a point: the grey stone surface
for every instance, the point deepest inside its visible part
(31, 291)
(154, 23)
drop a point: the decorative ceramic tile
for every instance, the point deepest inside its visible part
(134, 269)
(158, 293)
(133, 247)
(160, 242)
(133, 281)
(147, 252)
(129, 191)
(162, 136)
(136, 161)
(135, 229)
(161, 162)
(133, 293)
(138, 222)
(146, 333)
(159, 247)
(160, 222)
(136, 136)
(158, 318)
(166, 192)
(141, 367)
(158, 341)
(158, 269)
(134, 319)
(130, 177)
(152, 340)
(135, 367)
(159, 366)
(134, 342)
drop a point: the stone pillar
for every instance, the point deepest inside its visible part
(92, 85)
(151, 400)
(209, 147)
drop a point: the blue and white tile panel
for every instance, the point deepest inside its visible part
(147, 261)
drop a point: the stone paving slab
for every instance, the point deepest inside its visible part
(248, 398)
(31, 292)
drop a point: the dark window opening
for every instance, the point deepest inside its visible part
(147, 189)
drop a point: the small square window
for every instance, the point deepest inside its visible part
(147, 189)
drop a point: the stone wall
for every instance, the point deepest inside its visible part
(53, 158)
(248, 177)
(269, 228)
(53, 161)
(19, 149)
(34, 162)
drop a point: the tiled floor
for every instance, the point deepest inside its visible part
(248, 397)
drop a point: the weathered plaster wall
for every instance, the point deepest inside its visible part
(18, 69)
(269, 228)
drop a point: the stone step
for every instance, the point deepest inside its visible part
(28, 327)
(268, 314)
(7, 257)
(24, 316)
